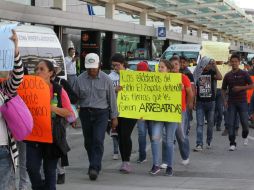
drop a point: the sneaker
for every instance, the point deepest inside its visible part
(208, 146)
(115, 157)
(60, 179)
(125, 168)
(198, 148)
(93, 174)
(163, 166)
(245, 141)
(155, 170)
(224, 133)
(186, 162)
(169, 171)
(140, 161)
(232, 147)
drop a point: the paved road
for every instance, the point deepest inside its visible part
(208, 170)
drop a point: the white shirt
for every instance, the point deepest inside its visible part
(70, 66)
(115, 77)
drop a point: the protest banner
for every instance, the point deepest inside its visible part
(219, 51)
(6, 47)
(36, 94)
(150, 96)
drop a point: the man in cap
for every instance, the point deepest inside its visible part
(97, 101)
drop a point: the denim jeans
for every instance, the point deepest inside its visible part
(182, 137)
(227, 119)
(23, 176)
(34, 160)
(156, 135)
(204, 109)
(242, 109)
(115, 144)
(143, 128)
(219, 109)
(94, 124)
(7, 175)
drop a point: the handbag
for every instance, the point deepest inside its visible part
(74, 116)
(17, 117)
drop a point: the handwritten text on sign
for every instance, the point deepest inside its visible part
(6, 47)
(150, 96)
(35, 93)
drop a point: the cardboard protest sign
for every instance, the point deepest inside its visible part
(36, 94)
(150, 96)
(6, 47)
(219, 51)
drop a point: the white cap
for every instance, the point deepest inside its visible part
(92, 61)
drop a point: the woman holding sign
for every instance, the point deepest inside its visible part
(156, 134)
(125, 125)
(47, 153)
(8, 149)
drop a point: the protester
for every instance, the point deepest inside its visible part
(8, 148)
(237, 82)
(63, 161)
(156, 134)
(48, 153)
(182, 135)
(205, 75)
(125, 125)
(70, 62)
(97, 101)
(143, 125)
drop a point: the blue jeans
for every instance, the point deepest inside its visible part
(182, 137)
(204, 109)
(143, 127)
(242, 109)
(219, 109)
(23, 176)
(156, 135)
(34, 160)
(7, 175)
(115, 144)
(94, 124)
(227, 119)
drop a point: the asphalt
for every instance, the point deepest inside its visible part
(211, 169)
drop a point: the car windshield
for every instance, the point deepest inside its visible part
(190, 55)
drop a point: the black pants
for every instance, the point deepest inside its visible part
(94, 124)
(124, 129)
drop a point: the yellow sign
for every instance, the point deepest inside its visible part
(219, 51)
(224, 69)
(150, 96)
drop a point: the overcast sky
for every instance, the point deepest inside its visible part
(245, 3)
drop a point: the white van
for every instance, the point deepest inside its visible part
(36, 43)
(190, 51)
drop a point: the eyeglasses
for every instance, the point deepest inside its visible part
(116, 65)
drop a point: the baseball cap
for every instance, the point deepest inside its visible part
(92, 61)
(142, 66)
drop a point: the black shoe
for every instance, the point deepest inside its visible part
(218, 129)
(93, 174)
(169, 171)
(60, 179)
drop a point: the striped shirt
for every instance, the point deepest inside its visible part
(232, 79)
(10, 87)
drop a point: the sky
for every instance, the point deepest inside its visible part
(245, 3)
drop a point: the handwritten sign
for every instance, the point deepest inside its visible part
(150, 96)
(36, 94)
(219, 51)
(6, 47)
